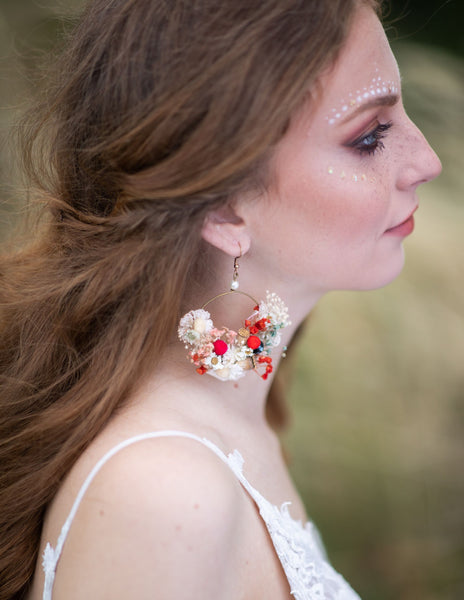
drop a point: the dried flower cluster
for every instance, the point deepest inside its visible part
(227, 354)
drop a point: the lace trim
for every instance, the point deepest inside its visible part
(300, 551)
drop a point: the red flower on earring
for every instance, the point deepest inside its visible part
(253, 342)
(220, 347)
(228, 355)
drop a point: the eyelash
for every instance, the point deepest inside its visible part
(364, 145)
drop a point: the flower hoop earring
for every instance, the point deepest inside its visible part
(227, 354)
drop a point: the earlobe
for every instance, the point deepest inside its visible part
(225, 230)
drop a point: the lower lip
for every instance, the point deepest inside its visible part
(403, 229)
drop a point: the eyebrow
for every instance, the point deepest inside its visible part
(389, 100)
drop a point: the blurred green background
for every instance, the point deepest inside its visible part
(376, 444)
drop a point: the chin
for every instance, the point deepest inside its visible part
(380, 276)
(377, 275)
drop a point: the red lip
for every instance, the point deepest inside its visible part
(405, 228)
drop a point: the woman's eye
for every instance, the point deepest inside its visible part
(371, 142)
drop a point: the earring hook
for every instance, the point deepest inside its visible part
(235, 284)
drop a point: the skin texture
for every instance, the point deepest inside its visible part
(330, 205)
(166, 519)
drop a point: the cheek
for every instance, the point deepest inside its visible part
(328, 233)
(359, 194)
(327, 216)
(339, 211)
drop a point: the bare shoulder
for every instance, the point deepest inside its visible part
(164, 514)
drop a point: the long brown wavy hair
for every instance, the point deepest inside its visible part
(159, 111)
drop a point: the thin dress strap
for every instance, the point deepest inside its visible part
(52, 555)
(309, 574)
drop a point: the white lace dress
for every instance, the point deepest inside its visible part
(309, 574)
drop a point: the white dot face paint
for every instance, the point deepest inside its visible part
(337, 222)
(377, 87)
(353, 177)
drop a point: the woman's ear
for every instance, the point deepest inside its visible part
(224, 229)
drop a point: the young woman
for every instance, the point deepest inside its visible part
(182, 146)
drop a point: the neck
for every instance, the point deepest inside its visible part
(232, 406)
(239, 404)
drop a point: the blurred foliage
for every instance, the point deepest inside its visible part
(376, 445)
(437, 22)
(377, 441)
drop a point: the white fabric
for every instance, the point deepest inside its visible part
(298, 547)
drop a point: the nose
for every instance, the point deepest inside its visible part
(422, 164)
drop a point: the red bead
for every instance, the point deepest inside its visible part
(220, 347)
(201, 370)
(253, 342)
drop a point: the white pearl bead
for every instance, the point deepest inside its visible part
(234, 285)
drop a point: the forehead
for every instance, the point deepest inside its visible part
(365, 64)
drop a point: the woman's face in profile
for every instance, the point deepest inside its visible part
(345, 174)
